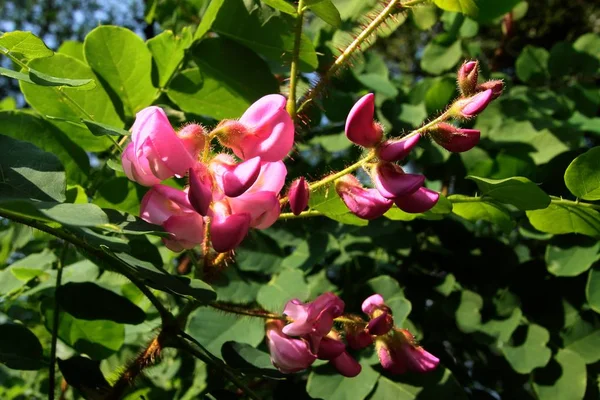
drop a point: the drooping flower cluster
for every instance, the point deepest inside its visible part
(233, 194)
(391, 184)
(311, 335)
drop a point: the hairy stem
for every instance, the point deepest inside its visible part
(240, 310)
(305, 214)
(55, 321)
(571, 203)
(291, 103)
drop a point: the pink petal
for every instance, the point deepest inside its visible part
(187, 231)
(241, 177)
(419, 202)
(360, 128)
(298, 195)
(476, 104)
(372, 303)
(227, 233)
(396, 150)
(330, 348)
(346, 365)
(200, 193)
(289, 355)
(392, 182)
(364, 203)
(263, 208)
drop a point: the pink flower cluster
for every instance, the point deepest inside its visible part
(234, 195)
(311, 335)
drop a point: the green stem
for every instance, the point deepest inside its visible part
(390, 8)
(235, 309)
(571, 203)
(55, 321)
(291, 103)
(305, 214)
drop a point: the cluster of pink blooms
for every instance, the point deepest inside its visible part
(312, 335)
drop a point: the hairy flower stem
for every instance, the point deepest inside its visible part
(240, 310)
(392, 7)
(291, 103)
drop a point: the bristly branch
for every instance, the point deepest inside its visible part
(391, 8)
(291, 103)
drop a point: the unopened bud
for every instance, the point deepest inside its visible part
(362, 202)
(360, 127)
(298, 195)
(396, 150)
(467, 77)
(200, 192)
(471, 106)
(496, 86)
(456, 140)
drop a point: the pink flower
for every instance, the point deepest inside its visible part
(420, 201)
(330, 348)
(360, 128)
(238, 178)
(298, 195)
(391, 181)
(169, 207)
(200, 193)
(372, 303)
(346, 365)
(470, 107)
(455, 139)
(265, 130)
(263, 208)
(227, 230)
(381, 324)
(314, 319)
(399, 353)
(496, 86)
(396, 150)
(467, 77)
(288, 355)
(156, 152)
(364, 203)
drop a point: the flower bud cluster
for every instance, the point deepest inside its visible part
(311, 335)
(229, 194)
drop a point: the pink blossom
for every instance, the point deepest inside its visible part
(380, 324)
(360, 127)
(420, 201)
(391, 181)
(330, 348)
(298, 195)
(346, 365)
(227, 230)
(265, 130)
(455, 139)
(200, 193)
(470, 107)
(156, 152)
(169, 207)
(314, 319)
(263, 208)
(467, 77)
(288, 354)
(362, 202)
(239, 178)
(396, 150)
(372, 303)
(399, 353)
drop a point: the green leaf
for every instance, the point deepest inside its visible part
(532, 354)
(25, 44)
(327, 12)
(282, 6)
(168, 51)
(73, 49)
(424, 17)
(326, 200)
(468, 313)
(98, 339)
(565, 381)
(440, 94)
(584, 340)
(229, 79)
(53, 101)
(259, 253)
(437, 384)
(213, 328)
(119, 193)
(39, 78)
(19, 347)
(20, 76)
(273, 39)
(561, 218)
(83, 374)
(324, 383)
(89, 301)
(476, 209)
(64, 213)
(29, 173)
(438, 58)
(517, 190)
(287, 285)
(571, 258)
(309, 252)
(467, 7)
(490, 10)
(592, 289)
(99, 129)
(123, 61)
(532, 65)
(582, 177)
(393, 295)
(248, 360)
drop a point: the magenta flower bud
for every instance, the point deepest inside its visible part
(467, 77)
(298, 195)
(364, 203)
(391, 181)
(265, 130)
(372, 303)
(496, 86)
(313, 320)
(170, 208)
(227, 230)
(330, 348)
(346, 365)
(381, 324)
(360, 127)
(396, 150)
(156, 152)
(358, 339)
(420, 201)
(470, 107)
(200, 192)
(240, 177)
(456, 140)
(399, 354)
(288, 355)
